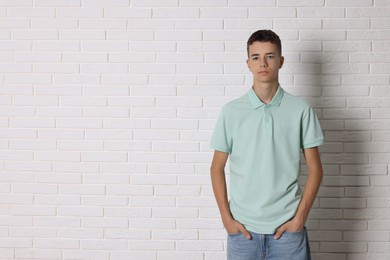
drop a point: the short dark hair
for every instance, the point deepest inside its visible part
(264, 36)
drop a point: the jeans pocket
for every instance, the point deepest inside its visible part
(234, 234)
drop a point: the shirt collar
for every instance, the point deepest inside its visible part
(256, 102)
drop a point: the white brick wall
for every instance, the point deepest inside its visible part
(107, 108)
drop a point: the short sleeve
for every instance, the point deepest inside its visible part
(311, 133)
(221, 140)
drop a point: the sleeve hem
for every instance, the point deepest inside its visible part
(313, 144)
(219, 148)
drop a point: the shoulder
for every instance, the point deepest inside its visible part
(296, 103)
(237, 104)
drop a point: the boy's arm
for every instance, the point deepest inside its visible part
(313, 182)
(218, 181)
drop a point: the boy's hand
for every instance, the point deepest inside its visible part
(290, 226)
(234, 227)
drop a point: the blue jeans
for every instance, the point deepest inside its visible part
(290, 246)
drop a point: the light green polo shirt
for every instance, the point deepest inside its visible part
(264, 143)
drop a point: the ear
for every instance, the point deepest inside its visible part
(281, 62)
(247, 63)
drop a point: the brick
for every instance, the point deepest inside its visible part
(106, 91)
(367, 124)
(129, 213)
(105, 244)
(76, 79)
(223, 12)
(150, 24)
(378, 247)
(301, 3)
(181, 190)
(181, 255)
(378, 225)
(228, 35)
(172, 80)
(105, 201)
(350, 113)
(279, 12)
(324, 12)
(299, 23)
(11, 45)
(152, 201)
(16, 23)
(35, 35)
(184, 57)
(378, 202)
(16, 155)
(57, 222)
(203, 3)
(381, 136)
(95, 222)
(342, 203)
(128, 234)
(26, 253)
(363, 169)
(347, 91)
(175, 213)
(124, 255)
(105, 3)
(367, 191)
(103, 68)
(372, 34)
(130, 35)
(54, 23)
(84, 57)
(343, 225)
(56, 68)
(152, 68)
(64, 46)
(82, 35)
(150, 180)
(75, 12)
(80, 211)
(197, 24)
(200, 46)
(80, 233)
(121, 12)
(153, 112)
(102, 24)
(79, 123)
(15, 242)
(124, 79)
(57, 3)
(57, 243)
(197, 245)
(154, 3)
(178, 35)
(133, 57)
(148, 245)
(57, 199)
(251, 3)
(341, 247)
(366, 236)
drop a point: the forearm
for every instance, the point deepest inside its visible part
(310, 193)
(220, 192)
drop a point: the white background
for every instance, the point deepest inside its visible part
(107, 109)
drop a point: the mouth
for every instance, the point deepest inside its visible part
(263, 72)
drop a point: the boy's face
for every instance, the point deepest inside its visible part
(264, 62)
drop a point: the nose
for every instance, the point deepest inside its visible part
(263, 63)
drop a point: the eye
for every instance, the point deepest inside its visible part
(269, 57)
(254, 58)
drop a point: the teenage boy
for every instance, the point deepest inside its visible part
(263, 133)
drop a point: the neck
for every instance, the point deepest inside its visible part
(265, 91)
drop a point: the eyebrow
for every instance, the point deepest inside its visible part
(268, 53)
